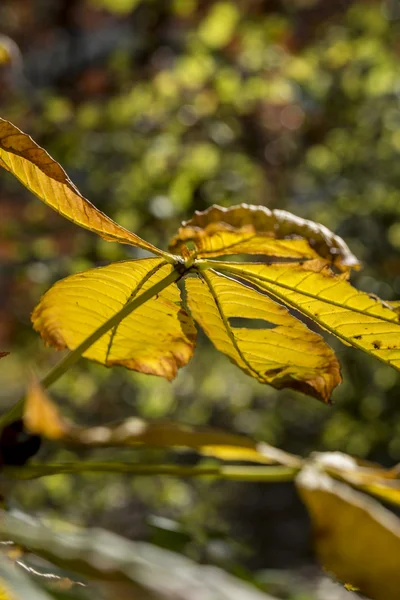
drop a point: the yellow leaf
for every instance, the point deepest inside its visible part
(248, 229)
(45, 178)
(42, 417)
(166, 434)
(156, 338)
(370, 478)
(354, 317)
(283, 352)
(355, 537)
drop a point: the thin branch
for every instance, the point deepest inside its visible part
(223, 472)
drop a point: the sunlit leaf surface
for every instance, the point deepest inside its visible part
(248, 229)
(157, 338)
(45, 178)
(279, 350)
(355, 537)
(355, 317)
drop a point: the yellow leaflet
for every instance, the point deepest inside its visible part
(219, 240)
(353, 316)
(41, 416)
(156, 338)
(45, 178)
(286, 355)
(365, 476)
(249, 229)
(348, 526)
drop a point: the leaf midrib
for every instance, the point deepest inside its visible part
(227, 326)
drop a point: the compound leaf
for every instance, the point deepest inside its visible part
(157, 338)
(282, 351)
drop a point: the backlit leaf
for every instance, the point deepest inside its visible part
(42, 417)
(356, 318)
(45, 178)
(249, 229)
(370, 478)
(283, 352)
(356, 538)
(157, 338)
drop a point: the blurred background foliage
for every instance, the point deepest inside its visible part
(159, 108)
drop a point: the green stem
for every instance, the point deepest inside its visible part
(224, 472)
(70, 359)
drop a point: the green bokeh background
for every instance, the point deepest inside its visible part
(157, 109)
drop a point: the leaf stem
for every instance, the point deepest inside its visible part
(222, 472)
(71, 358)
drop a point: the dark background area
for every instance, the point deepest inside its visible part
(157, 109)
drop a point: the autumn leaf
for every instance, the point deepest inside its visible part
(157, 338)
(45, 178)
(42, 417)
(355, 317)
(348, 527)
(367, 477)
(282, 352)
(251, 229)
(155, 335)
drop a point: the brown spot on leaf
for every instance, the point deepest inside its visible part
(377, 344)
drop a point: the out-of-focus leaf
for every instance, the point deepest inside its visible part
(355, 317)
(103, 556)
(42, 417)
(2, 354)
(45, 178)
(157, 338)
(248, 229)
(16, 585)
(356, 538)
(218, 27)
(283, 352)
(375, 480)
